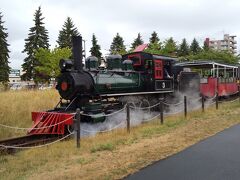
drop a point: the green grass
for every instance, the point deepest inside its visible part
(103, 147)
(106, 155)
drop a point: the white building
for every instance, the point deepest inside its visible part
(228, 43)
(15, 76)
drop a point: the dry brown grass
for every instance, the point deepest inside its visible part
(114, 155)
(16, 108)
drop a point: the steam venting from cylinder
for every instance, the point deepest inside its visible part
(77, 52)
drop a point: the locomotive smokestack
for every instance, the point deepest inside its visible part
(77, 52)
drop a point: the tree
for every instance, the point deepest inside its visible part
(218, 56)
(194, 47)
(183, 48)
(138, 41)
(117, 46)
(205, 46)
(95, 49)
(65, 35)
(154, 45)
(4, 63)
(154, 38)
(37, 38)
(49, 62)
(153, 48)
(169, 47)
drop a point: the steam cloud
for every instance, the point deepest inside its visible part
(173, 105)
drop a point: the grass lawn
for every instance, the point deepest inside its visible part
(111, 155)
(16, 108)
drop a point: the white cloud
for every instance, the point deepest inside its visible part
(176, 18)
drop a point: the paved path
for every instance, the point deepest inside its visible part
(216, 158)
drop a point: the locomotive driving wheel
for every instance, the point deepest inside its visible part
(144, 105)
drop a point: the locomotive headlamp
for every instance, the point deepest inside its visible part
(64, 86)
(65, 64)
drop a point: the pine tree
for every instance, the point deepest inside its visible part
(154, 46)
(194, 47)
(95, 49)
(138, 41)
(65, 35)
(183, 48)
(117, 46)
(37, 38)
(154, 38)
(4, 67)
(169, 47)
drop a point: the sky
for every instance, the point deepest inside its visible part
(169, 18)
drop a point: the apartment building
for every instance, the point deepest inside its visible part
(228, 43)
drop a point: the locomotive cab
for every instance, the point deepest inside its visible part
(156, 70)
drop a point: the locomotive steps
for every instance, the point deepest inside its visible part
(116, 154)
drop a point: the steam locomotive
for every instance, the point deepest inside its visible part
(139, 77)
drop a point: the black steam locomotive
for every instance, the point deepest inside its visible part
(136, 74)
(139, 78)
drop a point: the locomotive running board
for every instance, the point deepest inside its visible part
(138, 93)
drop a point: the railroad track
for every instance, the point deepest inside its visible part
(229, 98)
(13, 145)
